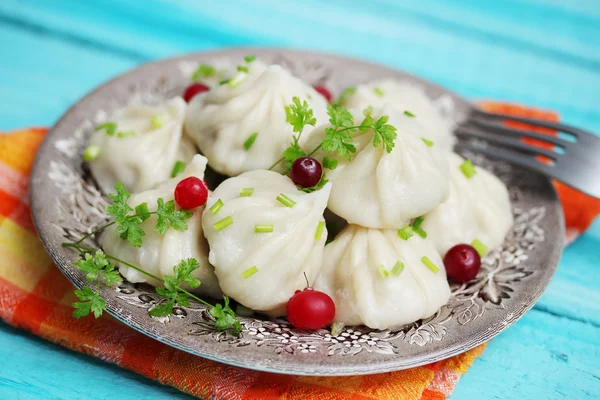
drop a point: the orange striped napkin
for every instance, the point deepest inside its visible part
(35, 296)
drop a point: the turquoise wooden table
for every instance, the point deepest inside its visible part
(544, 53)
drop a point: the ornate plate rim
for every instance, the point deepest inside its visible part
(306, 367)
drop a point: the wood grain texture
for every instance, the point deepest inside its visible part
(544, 53)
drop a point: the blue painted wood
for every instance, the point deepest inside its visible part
(539, 52)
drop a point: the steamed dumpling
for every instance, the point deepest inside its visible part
(405, 96)
(223, 119)
(143, 155)
(385, 190)
(477, 208)
(160, 253)
(279, 259)
(354, 272)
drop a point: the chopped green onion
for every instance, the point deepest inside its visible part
(246, 192)
(468, 169)
(250, 58)
(250, 141)
(409, 114)
(347, 92)
(224, 82)
(157, 121)
(91, 153)
(111, 128)
(242, 68)
(243, 311)
(203, 70)
(330, 163)
(419, 231)
(141, 210)
(427, 262)
(237, 79)
(480, 247)
(216, 207)
(222, 224)
(429, 143)
(249, 272)
(178, 168)
(319, 232)
(405, 233)
(368, 111)
(125, 134)
(378, 92)
(418, 221)
(398, 268)
(263, 228)
(337, 328)
(286, 201)
(382, 271)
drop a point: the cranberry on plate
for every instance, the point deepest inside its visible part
(306, 172)
(324, 92)
(191, 193)
(462, 263)
(193, 90)
(310, 309)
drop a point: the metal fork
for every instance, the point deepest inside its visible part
(577, 165)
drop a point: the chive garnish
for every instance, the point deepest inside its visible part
(429, 143)
(111, 128)
(382, 271)
(142, 211)
(409, 114)
(286, 201)
(203, 70)
(419, 231)
(427, 262)
(125, 134)
(222, 224)
(398, 268)
(378, 92)
(468, 169)
(405, 233)
(246, 192)
(250, 58)
(319, 231)
(178, 168)
(330, 163)
(249, 272)
(418, 221)
(91, 153)
(224, 82)
(237, 79)
(250, 141)
(216, 207)
(157, 121)
(263, 228)
(242, 68)
(480, 247)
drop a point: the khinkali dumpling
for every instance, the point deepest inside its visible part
(384, 190)
(160, 253)
(142, 149)
(262, 270)
(381, 281)
(477, 208)
(244, 128)
(404, 96)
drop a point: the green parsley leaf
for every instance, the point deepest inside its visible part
(384, 133)
(203, 71)
(128, 229)
(182, 273)
(119, 207)
(299, 114)
(167, 215)
(292, 153)
(97, 266)
(90, 302)
(225, 318)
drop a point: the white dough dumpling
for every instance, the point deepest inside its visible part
(404, 96)
(160, 253)
(139, 145)
(384, 190)
(243, 128)
(381, 281)
(260, 247)
(477, 208)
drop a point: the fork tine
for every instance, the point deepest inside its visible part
(473, 132)
(495, 152)
(499, 128)
(579, 133)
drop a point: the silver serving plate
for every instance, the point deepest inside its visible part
(66, 204)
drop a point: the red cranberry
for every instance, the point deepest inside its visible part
(191, 193)
(324, 92)
(462, 263)
(310, 309)
(193, 90)
(306, 172)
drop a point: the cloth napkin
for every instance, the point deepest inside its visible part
(35, 296)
